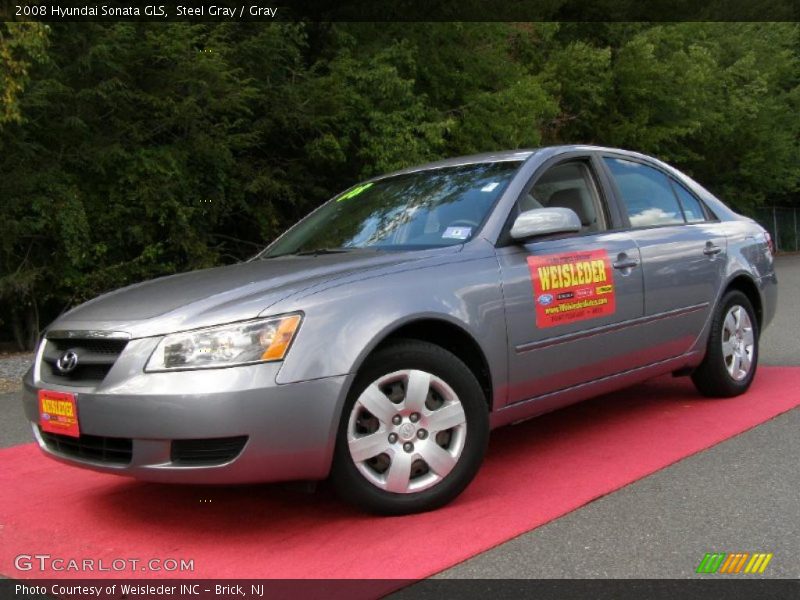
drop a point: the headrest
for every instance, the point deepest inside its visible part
(572, 198)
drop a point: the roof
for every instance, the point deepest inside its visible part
(500, 156)
(509, 155)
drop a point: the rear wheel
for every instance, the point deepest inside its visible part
(413, 431)
(732, 355)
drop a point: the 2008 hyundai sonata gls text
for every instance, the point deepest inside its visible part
(381, 338)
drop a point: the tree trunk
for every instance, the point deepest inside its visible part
(25, 326)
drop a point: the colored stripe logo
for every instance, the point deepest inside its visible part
(734, 562)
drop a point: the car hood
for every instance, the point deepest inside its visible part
(219, 295)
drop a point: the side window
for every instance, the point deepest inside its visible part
(692, 209)
(569, 185)
(646, 193)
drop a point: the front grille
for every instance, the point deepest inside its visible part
(95, 359)
(115, 451)
(207, 452)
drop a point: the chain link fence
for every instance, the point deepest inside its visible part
(783, 225)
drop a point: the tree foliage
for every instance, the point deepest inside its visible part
(129, 151)
(21, 45)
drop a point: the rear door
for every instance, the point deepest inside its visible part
(572, 302)
(683, 251)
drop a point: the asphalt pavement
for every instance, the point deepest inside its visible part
(741, 495)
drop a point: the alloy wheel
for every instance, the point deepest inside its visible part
(738, 342)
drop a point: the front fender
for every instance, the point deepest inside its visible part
(344, 323)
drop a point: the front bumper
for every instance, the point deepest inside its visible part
(290, 428)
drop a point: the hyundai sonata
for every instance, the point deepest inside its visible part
(380, 339)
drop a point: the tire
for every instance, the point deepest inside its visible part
(732, 341)
(424, 458)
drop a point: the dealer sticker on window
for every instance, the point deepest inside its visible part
(457, 233)
(572, 286)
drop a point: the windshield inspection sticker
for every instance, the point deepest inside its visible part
(489, 187)
(457, 233)
(572, 286)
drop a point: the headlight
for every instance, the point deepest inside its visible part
(237, 344)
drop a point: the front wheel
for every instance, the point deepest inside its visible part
(732, 355)
(413, 431)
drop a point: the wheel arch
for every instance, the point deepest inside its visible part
(745, 284)
(446, 334)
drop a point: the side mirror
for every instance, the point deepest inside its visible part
(545, 221)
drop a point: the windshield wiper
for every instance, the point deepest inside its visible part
(323, 251)
(316, 252)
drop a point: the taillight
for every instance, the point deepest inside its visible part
(768, 239)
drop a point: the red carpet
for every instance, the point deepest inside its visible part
(535, 472)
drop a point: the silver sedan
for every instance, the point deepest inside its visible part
(381, 338)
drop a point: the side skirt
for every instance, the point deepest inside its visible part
(533, 407)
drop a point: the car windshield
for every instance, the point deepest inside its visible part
(422, 209)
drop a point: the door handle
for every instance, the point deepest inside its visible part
(625, 262)
(711, 249)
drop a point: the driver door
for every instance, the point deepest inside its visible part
(572, 301)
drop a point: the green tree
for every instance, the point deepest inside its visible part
(130, 151)
(21, 45)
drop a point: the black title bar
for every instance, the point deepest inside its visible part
(400, 10)
(705, 587)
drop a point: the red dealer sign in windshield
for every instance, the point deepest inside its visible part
(572, 286)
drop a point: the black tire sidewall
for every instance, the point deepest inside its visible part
(412, 354)
(712, 377)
